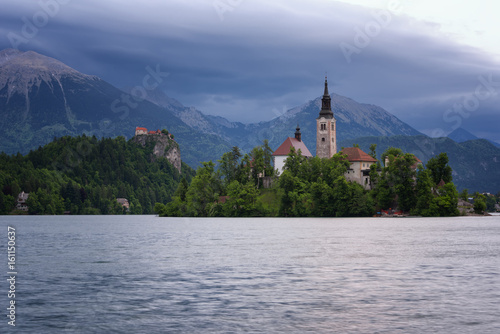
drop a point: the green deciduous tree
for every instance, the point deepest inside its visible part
(203, 193)
(242, 201)
(229, 165)
(439, 168)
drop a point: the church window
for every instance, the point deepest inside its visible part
(322, 139)
(323, 127)
(333, 126)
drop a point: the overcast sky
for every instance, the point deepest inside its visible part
(435, 66)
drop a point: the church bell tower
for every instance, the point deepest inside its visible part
(326, 128)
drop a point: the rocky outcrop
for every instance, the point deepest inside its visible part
(164, 147)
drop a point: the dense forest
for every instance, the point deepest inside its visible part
(86, 175)
(317, 187)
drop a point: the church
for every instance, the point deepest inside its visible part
(326, 145)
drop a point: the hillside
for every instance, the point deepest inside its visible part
(42, 98)
(86, 175)
(353, 120)
(475, 163)
(460, 135)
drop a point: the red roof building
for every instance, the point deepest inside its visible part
(281, 153)
(356, 154)
(141, 131)
(290, 142)
(360, 166)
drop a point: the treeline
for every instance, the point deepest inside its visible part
(314, 187)
(85, 175)
(230, 190)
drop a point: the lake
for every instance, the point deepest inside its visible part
(144, 274)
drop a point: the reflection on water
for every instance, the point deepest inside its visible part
(156, 275)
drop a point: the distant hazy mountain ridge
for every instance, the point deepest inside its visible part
(461, 135)
(353, 120)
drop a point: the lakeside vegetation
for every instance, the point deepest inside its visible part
(315, 187)
(86, 175)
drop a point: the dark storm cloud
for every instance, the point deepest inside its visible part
(262, 58)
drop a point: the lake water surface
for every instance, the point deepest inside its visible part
(144, 274)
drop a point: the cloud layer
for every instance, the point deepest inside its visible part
(250, 60)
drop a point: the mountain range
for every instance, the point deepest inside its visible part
(42, 98)
(461, 135)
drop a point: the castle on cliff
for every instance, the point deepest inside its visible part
(143, 131)
(164, 145)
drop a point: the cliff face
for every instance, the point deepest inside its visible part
(164, 147)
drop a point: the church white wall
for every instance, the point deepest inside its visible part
(279, 163)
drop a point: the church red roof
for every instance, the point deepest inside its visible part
(356, 154)
(284, 149)
(141, 128)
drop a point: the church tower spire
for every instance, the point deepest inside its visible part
(326, 103)
(326, 127)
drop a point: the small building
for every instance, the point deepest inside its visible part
(359, 170)
(157, 132)
(21, 201)
(141, 131)
(124, 202)
(281, 153)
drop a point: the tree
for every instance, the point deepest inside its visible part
(322, 198)
(244, 171)
(402, 179)
(425, 196)
(439, 168)
(258, 165)
(490, 203)
(293, 161)
(202, 195)
(7, 203)
(447, 200)
(295, 196)
(182, 189)
(464, 194)
(390, 153)
(373, 151)
(229, 164)
(268, 158)
(242, 200)
(160, 209)
(34, 205)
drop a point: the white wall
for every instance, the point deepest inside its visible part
(279, 163)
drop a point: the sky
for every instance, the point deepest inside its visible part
(433, 64)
